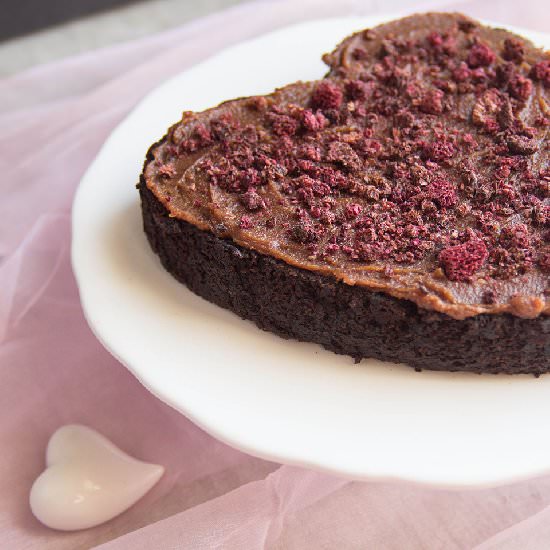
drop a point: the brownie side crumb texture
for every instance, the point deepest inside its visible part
(349, 320)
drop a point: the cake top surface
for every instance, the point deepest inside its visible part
(419, 167)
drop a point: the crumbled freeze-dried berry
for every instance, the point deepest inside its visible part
(313, 121)
(326, 96)
(435, 39)
(440, 150)
(246, 222)
(541, 72)
(357, 90)
(353, 210)
(520, 87)
(432, 102)
(480, 55)
(203, 135)
(461, 73)
(252, 200)
(443, 193)
(462, 261)
(284, 125)
(513, 50)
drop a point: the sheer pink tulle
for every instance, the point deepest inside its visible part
(53, 371)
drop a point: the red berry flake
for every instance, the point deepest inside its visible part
(251, 200)
(435, 39)
(520, 87)
(357, 90)
(443, 193)
(460, 262)
(462, 73)
(541, 72)
(313, 122)
(353, 210)
(440, 150)
(513, 50)
(246, 222)
(284, 125)
(202, 135)
(432, 102)
(326, 96)
(480, 56)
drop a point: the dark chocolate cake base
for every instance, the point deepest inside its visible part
(350, 320)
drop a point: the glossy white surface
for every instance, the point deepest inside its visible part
(87, 480)
(283, 400)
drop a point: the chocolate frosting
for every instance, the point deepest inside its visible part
(418, 167)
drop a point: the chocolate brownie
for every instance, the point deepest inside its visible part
(397, 208)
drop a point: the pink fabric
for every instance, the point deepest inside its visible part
(53, 371)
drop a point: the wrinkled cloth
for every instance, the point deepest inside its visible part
(53, 119)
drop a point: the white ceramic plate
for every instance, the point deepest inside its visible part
(282, 400)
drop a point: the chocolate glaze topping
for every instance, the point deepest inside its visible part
(418, 167)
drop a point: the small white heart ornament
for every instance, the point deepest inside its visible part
(88, 480)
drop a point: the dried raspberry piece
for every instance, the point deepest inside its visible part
(544, 261)
(353, 210)
(520, 87)
(222, 126)
(469, 140)
(440, 150)
(480, 56)
(432, 102)
(541, 72)
(513, 50)
(357, 90)
(460, 262)
(202, 135)
(435, 39)
(252, 200)
(310, 152)
(462, 72)
(326, 96)
(284, 125)
(516, 236)
(313, 121)
(404, 119)
(246, 222)
(443, 193)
